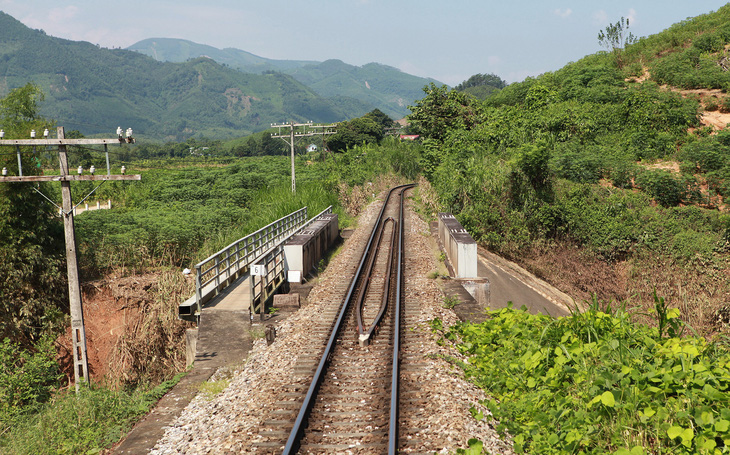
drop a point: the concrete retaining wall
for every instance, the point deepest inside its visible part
(461, 249)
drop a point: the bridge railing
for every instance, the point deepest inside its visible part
(221, 268)
(272, 271)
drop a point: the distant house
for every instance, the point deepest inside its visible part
(409, 137)
(312, 148)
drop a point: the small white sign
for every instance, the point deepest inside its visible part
(258, 270)
(294, 276)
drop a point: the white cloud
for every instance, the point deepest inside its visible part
(564, 13)
(494, 60)
(631, 17)
(63, 14)
(600, 17)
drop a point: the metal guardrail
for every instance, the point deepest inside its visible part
(221, 269)
(265, 285)
(234, 260)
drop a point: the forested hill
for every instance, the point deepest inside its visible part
(382, 86)
(179, 50)
(96, 89)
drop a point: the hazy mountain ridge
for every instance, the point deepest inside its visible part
(96, 89)
(385, 87)
(180, 50)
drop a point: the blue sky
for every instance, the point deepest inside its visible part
(448, 41)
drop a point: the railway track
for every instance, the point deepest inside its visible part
(345, 395)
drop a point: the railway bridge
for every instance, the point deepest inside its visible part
(375, 401)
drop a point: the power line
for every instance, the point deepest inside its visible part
(293, 134)
(78, 332)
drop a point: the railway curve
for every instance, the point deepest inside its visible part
(254, 413)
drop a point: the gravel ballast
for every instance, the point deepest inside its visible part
(228, 422)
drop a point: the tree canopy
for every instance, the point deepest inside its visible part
(478, 80)
(440, 111)
(32, 279)
(368, 129)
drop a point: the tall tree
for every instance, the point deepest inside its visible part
(361, 130)
(615, 37)
(478, 80)
(440, 111)
(32, 279)
(381, 118)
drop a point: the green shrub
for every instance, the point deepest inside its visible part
(665, 187)
(709, 42)
(83, 423)
(594, 382)
(580, 165)
(711, 103)
(623, 175)
(27, 379)
(719, 181)
(609, 223)
(705, 156)
(689, 244)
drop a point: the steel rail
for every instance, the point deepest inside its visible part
(292, 443)
(368, 272)
(364, 336)
(395, 374)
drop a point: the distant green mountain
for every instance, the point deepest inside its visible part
(387, 88)
(95, 89)
(180, 50)
(380, 86)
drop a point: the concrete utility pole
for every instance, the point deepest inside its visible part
(295, 134)
(78, 333)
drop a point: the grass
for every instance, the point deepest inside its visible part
(257, 333)
(210, 389)
(83, 423)
(450, 301)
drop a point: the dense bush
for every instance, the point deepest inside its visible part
(168, 216)
(579, 164)
(665, 187)
(27, 379)
(594, 382)
(33, 288)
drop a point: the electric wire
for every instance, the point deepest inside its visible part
(60, 209)
(87, 196)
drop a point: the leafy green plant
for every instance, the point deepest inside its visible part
(595, 382)
(667, 318)
(27, 379)
(663, 186)
(450, 301)
(476, 447)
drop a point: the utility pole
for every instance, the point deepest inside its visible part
(78, 333)
(293, 133)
